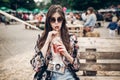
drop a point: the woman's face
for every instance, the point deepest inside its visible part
(88, 11)
(56, 21)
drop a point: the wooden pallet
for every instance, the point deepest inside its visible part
(100, 55)
(76, 29)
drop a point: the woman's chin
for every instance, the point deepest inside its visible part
(56, 29)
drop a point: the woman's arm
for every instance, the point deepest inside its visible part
(45, 48)
(50, 37)
(88, 20)
(69, 57)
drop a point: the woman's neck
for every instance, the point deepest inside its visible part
(58, 35)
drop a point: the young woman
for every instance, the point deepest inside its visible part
(55, 40)
(90, 21)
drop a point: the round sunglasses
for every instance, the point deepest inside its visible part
(53, 19)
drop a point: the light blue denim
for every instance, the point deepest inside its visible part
(66, 76)
(91, 20)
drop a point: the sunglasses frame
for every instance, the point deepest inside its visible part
(53, 19)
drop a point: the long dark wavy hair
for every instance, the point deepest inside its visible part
(63, 32)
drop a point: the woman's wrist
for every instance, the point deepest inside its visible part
(69, 57)
(73, 61)
(47, 41)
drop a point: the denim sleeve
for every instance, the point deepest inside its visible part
(88, 21)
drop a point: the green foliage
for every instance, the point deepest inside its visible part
(5, 0)
(4, 3)
(84, 4)
(14, 4)
(70, 4)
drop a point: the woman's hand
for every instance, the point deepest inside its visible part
(61, 48)
(51, 35)
(63, 51)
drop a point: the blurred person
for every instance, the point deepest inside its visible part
(25, 17)
(84, 16)
(90, 21)
(43, 18)
(55, 45)
(2, 18)
(77, 16)
(70, 18)
(38, 17)
(118, 29)
(112, 27)
(31, 17)
(99, 16)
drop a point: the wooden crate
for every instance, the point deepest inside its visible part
(76, 29)
(101, 55)
(93, 34)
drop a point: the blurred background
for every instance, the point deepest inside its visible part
(108, 8)
(73, 4)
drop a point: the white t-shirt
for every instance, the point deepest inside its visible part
(57, 57)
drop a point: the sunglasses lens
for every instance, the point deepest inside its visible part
(59, 19)
(53, 20)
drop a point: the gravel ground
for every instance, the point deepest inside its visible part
(16, 49)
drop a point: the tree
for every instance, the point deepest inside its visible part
(84, 4)
(70, 4)
(5, 3)
(28, 4)
(14, 4)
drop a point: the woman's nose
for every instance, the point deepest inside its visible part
(56, 21)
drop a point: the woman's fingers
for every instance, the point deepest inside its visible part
(54, 33)
(51, 35)
(60, 48)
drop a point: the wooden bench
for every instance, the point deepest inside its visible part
(76, 29)
(100, 58)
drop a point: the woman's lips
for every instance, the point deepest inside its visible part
(56, 27)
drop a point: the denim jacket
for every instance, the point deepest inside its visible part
(91, 20)
(113, 26)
